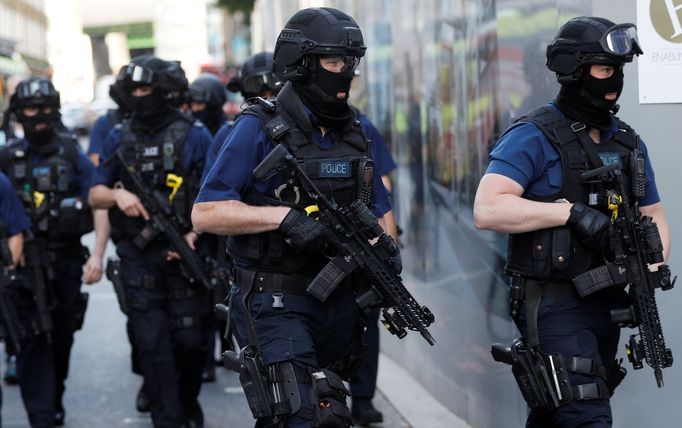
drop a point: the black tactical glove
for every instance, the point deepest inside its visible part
(396, 263)
(592, 225)
(305, 233)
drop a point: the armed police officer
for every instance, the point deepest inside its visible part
(207, 95)
(294, 337)
(157, 156)
(52, 177)
(256, 79)
(558, 221)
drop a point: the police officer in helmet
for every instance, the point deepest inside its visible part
(167, 313)
(52, 177)
(207, 95)
(558, 228)
(256, 79)
(106, 122)
(275, 245)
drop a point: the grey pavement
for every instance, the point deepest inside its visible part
(101, 389)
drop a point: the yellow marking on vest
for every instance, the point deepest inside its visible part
(38, 198)
(614, 201)
(312, 209)
(174, 182)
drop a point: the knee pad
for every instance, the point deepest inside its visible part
(329, 400)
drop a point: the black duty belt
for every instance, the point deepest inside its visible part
(274, 281)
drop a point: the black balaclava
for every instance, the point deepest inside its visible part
(319, 91)
(150, 112)
(584, 100)
(40, 140)
(211, 116)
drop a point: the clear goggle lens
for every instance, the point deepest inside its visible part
(139, 74)
(622, 40)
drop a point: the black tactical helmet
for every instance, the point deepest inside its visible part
(256, 76)
(34, 92)
(147, 70)
(322, 31)
(117, 92)
(207, 88)
(590, 40)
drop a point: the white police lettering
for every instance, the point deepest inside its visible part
(674, 18)
(335, 169)
(151, 151)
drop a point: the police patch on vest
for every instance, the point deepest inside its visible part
(150, 151)
(611, 158)
(335, 169)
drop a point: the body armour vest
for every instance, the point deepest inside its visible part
(159, 160)
(49, 190)
(556, 253)
(340, 172)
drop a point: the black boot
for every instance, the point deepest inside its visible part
(59, 415)
(142, 401)
(364, 412)
(194, 416)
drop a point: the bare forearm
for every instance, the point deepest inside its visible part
(236, 218)
(102, 197)
(102, 231)
(390, 225)
(513, 214)
(16, 247)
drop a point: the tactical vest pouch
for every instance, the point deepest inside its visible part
(329, 400)
(75, 218)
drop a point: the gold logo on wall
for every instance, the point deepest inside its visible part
(666, 18)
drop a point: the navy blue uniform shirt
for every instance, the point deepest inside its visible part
(246, 146)
(380, 154)
(99, 132)
(526, 156)
(80, 174)
(196, 144)
(215, 147)
(12, 212)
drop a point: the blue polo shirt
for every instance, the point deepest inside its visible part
(215, 147)
(379, 150)
(526, 156)
(196, 145)
(12, 212)
(245, 147)
(98, 134)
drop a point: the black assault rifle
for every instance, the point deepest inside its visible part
(36, 274)
(163, 220)
(355, 226)
(636, 243)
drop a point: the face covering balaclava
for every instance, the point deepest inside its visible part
(150, 111)
(318, 93)
(39, 139)
(584, 100)
(210, 116)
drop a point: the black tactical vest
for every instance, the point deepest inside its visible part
(48, 190)
(340, 172)
(556, 253)
(157, 159)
